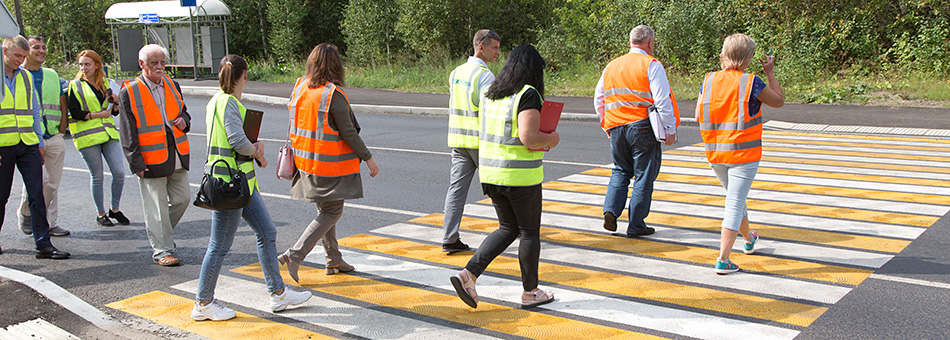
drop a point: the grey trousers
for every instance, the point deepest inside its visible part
(323, 227)
(464, 164)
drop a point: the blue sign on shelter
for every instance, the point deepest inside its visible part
(148, 18)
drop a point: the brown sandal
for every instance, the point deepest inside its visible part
(167, 261)
(464, 283)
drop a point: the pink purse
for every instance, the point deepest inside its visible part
(286, 169)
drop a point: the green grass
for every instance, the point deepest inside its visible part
(891, 88)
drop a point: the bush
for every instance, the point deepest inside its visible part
(369, 28)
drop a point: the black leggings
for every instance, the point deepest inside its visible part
(519, 214)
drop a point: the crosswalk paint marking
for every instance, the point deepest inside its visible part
(886, 196)
(792, 313)
(792, 153)
(175, 311)
(332, 314)
(893, 145)
(763, 169)
(489, 316)
(630, 264)
(571, 302)
(866, 215)
(860, 138)
(568, 233)
(833, 168)
(890, 152)
(592, 205)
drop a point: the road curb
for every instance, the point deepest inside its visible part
(71, 302)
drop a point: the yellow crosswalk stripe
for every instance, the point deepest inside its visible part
(851, 164)
(679, 294)
(760, 263)
(779, 139)
(823, 174)
(175, 311)
(755, 204)
(857, 154)
(800, 188)
(489, 316)
(860, 137)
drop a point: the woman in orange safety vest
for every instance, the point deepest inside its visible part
(730, 120)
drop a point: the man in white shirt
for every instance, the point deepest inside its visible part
(629, 88)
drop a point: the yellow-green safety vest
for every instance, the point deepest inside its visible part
(463, 113)
(94, 131)
(49, 98)
(16, 111)
(502, 158)
(218, 145)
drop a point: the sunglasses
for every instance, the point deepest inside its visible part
(489, 34)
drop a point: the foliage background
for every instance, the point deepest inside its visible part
(862, 46)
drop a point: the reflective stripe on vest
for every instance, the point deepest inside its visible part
(463, 113)
(219, 147)
(49, 97)
(730, 135)
(150, 122)
(627, 92)
(318, 148)
(502, 158)
(16, 111)
(94, 131)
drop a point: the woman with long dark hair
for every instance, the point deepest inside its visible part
(91, 107)
(511, 173)
(227, 142)
(328, 151)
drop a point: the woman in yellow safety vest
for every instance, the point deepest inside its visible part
(229, 148)
(328, 150)
(509, 167)
(729, 112)
(91, 107)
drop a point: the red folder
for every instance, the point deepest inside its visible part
(550, 115)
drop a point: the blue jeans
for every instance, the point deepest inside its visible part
(737, 179)
(636, 154)
(93, 155)
(223, 225)
(27, 159)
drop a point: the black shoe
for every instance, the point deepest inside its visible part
(51, 253)
(119, 217)
(455, 247)
(642, 232)
(1, 251)
(26, 224)
(58, 231)
(610, 221)
(104, 221)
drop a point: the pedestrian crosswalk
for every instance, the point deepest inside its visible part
(831, 209)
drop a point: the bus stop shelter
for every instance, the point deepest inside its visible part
(195, 36)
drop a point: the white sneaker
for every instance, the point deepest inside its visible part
(288, 298)
(212, 311)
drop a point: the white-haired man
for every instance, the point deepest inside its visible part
(466, 84)
(21, 143)
(153, 133)
(50, 88)
(631, 86)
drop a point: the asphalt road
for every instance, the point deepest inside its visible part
(111, 264)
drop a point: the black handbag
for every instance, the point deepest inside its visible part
(217, 194)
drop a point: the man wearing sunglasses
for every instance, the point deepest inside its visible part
(466, 84)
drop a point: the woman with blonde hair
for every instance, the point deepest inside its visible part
(328, 151)
(229, 149)
(91, 107)
(730, 120)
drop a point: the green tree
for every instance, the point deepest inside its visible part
(369, 29)
(69, 26)
(248, 28)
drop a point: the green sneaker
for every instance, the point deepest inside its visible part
(725, 268)
(750, 244)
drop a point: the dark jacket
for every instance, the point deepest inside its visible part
(128, 134)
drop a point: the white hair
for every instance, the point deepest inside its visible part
(641, 34)
(150, 49)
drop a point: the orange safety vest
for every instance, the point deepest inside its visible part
(151, 124)
(627, 95)
(730, 135)
(318, 148)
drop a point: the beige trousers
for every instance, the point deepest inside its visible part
(55, 148)
(324, 227)
(164, 200)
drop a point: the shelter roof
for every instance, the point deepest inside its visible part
(166, 10)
